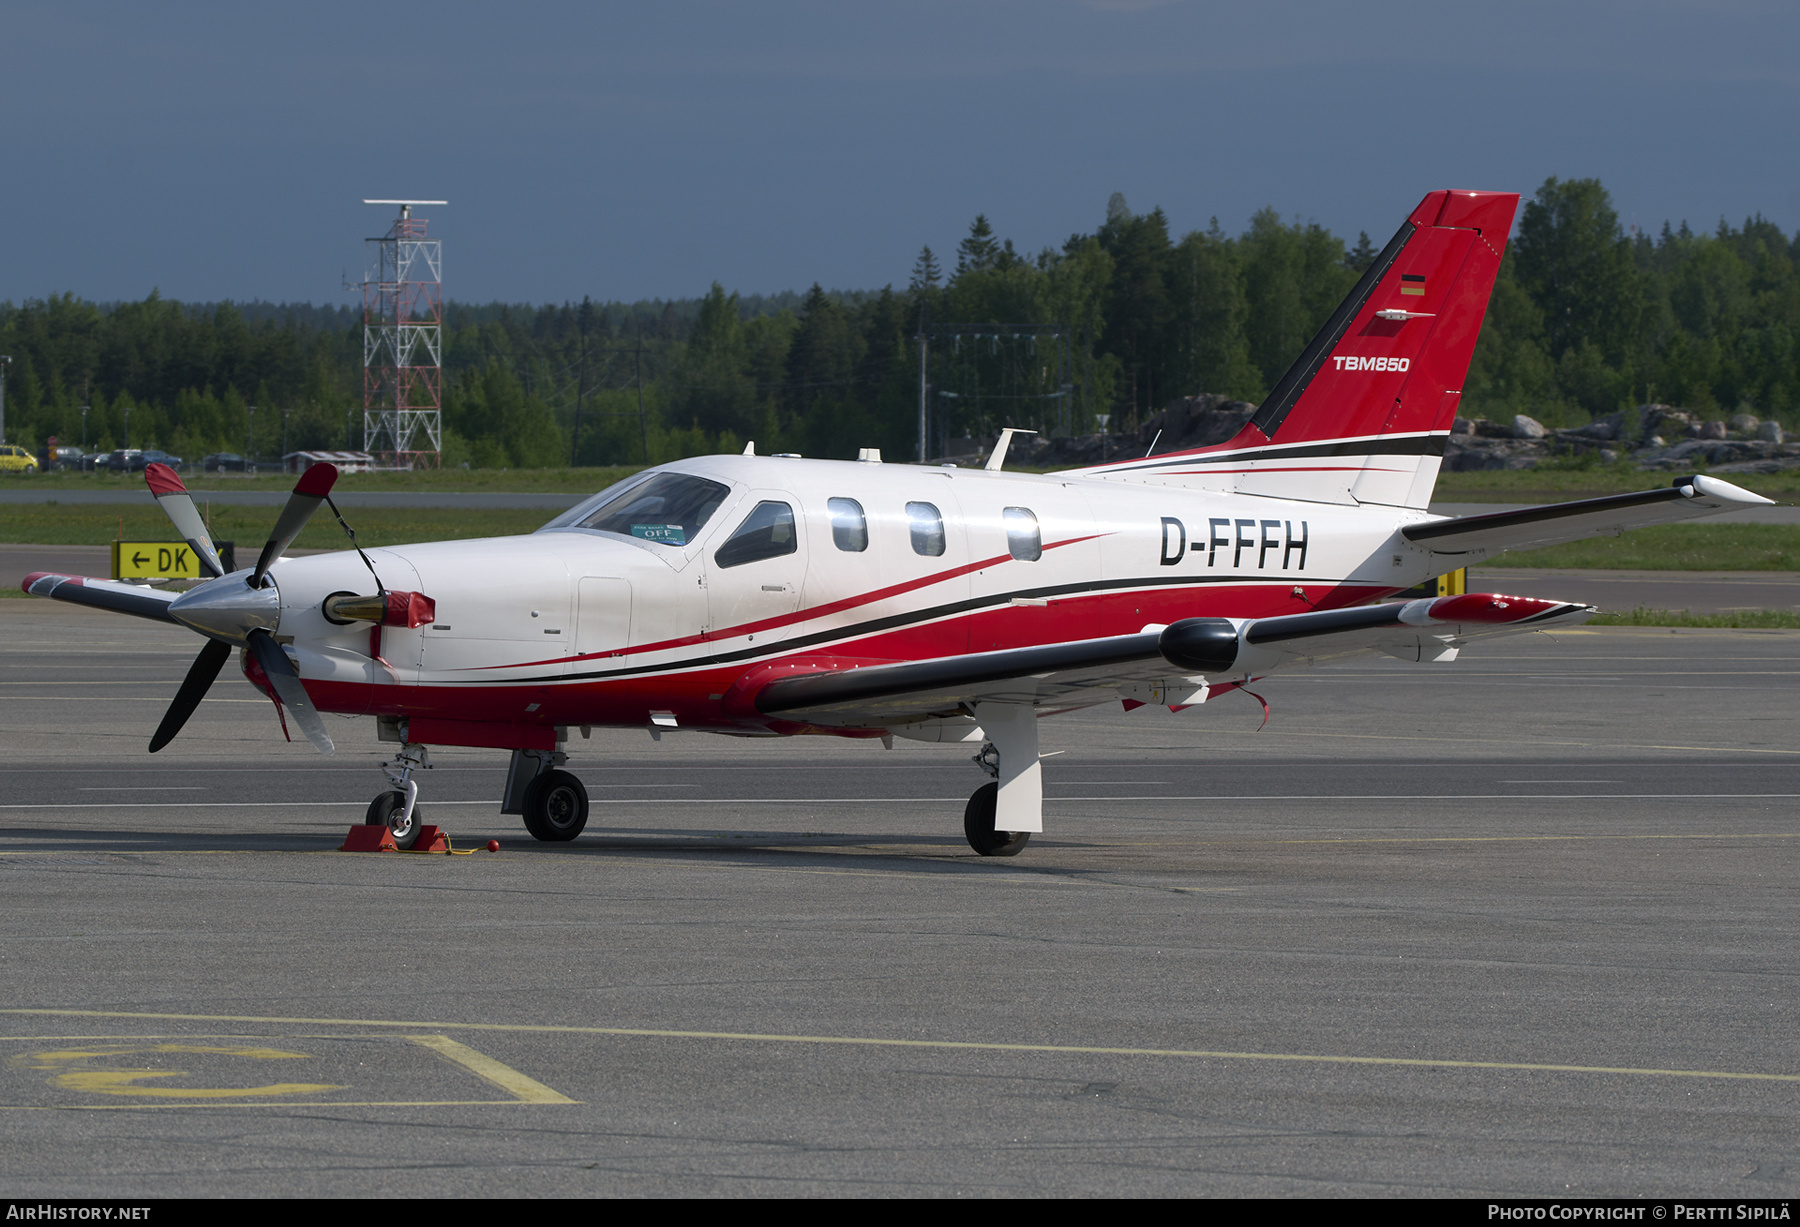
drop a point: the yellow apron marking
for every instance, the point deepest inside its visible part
(860, 1041)
(79, 1071)
(73, 1069)
(508, 1079)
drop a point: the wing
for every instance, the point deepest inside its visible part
(1179, 658)
(1687, 499)
(108, 594)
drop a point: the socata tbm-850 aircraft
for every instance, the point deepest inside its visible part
(762, 596)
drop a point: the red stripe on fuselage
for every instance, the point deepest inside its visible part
(689, 690)
(800, 615)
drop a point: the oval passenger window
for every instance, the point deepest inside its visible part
(927, 529)
(1022, 539)
(849, 530)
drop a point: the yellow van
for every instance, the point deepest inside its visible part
(17, 460)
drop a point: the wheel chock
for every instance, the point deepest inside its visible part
(431, 839)
(372, 837)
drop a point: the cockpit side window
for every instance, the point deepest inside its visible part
(1023, 541)
(849, 528)
(668, 509)
(767, 532)
(927, 526)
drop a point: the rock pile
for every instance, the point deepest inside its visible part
(1649, 436)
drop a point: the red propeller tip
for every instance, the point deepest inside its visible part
(317, 481)
(162, 480)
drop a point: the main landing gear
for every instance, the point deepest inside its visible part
(1001, 816)
(553, 802)
(978, 825)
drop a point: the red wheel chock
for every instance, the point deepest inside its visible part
(372, 837)
(431, 839)
(377, 838)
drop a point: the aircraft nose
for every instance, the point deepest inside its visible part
(228, 608)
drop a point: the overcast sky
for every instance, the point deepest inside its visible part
(634, 151)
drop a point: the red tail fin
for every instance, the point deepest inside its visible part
(1363, 414)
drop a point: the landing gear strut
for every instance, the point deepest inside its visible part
(399, 810)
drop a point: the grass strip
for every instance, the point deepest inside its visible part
(99, 523)
(1672, 547)
(1736, 620)
(462, 481)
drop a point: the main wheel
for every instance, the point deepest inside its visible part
(978, 825)
(389, 810)
(556, 807)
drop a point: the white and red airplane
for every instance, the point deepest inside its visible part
(771, 596)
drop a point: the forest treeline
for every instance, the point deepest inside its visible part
(1585, 319)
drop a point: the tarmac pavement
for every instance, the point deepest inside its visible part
(1520, 925)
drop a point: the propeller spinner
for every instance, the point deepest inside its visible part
(233, 610)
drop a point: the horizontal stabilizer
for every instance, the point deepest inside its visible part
(1688, 498)
(111, 594)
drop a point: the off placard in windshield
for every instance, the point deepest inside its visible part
(669, 509)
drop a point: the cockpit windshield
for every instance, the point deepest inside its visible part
(666, 508)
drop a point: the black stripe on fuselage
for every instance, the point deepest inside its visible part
(892, 622)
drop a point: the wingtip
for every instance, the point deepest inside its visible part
(1718, 487)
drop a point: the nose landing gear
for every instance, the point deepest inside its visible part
(398, 810)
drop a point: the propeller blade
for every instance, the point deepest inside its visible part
(287, 685)
(309, 492)
(178, 505)
(194, 686)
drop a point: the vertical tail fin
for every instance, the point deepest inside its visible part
(1362, 416)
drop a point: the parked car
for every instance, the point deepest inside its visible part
(59, 458)
(151, 456)
(15, 459)
(224, 462)
(121, 460)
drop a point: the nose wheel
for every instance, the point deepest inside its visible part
(398, 809)
(391, 811)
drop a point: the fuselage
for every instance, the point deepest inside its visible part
(801, 562)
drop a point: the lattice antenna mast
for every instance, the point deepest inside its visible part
(403, 353)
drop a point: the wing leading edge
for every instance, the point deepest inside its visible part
(1091, 671)
(1688, 498)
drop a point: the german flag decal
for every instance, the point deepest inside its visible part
(1415, 284)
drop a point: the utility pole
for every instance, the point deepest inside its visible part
(582, 317)
(924, 344)
(643, 423)
(250, 451)
(5, 361)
